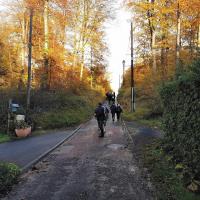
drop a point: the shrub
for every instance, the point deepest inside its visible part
(4, 137)
(141, 113)
(53, 109)
(181, 120)
(9, 174)
(63, 118)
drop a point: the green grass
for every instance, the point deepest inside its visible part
(153, 123)
(142, 116)
(167, 180)
(9, 174)
(4, 137)
(70, 110)
(63, 118)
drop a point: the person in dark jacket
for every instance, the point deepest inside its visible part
(113, 98)
(118, 111)
(113, 111)
(101, 117)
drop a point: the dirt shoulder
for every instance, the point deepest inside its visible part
(164, 174)
(141, 136)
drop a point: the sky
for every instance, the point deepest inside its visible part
(118, 40)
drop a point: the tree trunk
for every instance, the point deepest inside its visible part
(75, 40)
(153, 47)
(178, 38)
(163, 58)
(82, 64)
(46, 45)
(83, 39)
(91, 66)
(46, 28)
(23, 51)
(150, 14)
(23, 41)
(198, 39)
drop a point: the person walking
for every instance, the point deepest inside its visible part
(106, 110)
(101, 117)
(113, 98)
(118, 111)
(113, 111)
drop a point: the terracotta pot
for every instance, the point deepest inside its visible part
(23, 132)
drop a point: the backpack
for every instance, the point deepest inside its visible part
(113, 108)
(100, 112)
(118, 109)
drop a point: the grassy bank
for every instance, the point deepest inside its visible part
(9, 174)
(166, 177)
(53, 109)
(143, 117)
(4, 138)
(64, 118)
(65, 110)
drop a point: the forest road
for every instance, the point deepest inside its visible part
(87, 167)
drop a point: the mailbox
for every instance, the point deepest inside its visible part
(14, 107)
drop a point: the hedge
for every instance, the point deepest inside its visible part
(181, 120)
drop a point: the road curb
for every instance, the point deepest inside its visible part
(32, 163)
(127, 131)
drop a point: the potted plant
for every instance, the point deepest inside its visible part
(22, 129)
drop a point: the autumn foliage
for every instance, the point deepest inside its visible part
(166, 39)
(68, 44)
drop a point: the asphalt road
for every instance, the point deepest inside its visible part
(22, 152)
(87, 167)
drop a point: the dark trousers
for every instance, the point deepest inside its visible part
(113, 116)
(118, 115)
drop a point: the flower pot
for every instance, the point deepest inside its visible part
(23, 132)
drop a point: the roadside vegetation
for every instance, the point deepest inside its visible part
(9, 174)
(181, 124)
(174, 160)
(167, 85)
(67, 110)
(67, 71)
(4, 137)
(166, 176)
(55, 109)
(143, 117)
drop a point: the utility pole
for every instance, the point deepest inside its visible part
(29, 61)
(132, 74)
(123, 62)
